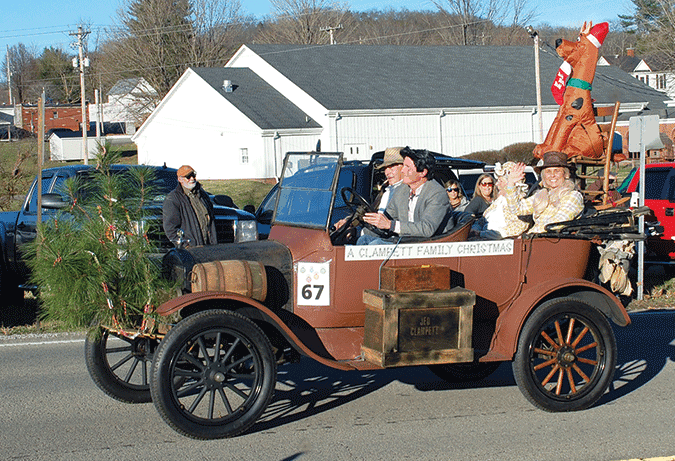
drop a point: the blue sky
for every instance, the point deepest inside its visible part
(47, 22)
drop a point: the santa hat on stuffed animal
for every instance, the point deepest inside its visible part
(598, 33)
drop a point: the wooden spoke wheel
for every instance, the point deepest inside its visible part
(566, 356)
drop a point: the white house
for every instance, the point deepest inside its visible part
(360, 99)
(650, 71)
(227, 124)
(130, 101)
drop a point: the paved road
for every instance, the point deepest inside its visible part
(51, 410)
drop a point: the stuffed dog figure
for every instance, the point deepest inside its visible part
(574, 130)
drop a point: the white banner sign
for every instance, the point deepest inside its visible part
(429, 250)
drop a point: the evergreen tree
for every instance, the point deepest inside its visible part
(56, 70)
(654, 25)
(91, 263)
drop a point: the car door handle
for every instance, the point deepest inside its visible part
(669, 211)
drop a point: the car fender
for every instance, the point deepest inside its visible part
(512, 319)
(257, 311)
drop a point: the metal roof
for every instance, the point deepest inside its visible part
(353, 77)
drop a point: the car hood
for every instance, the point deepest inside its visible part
(275, 256)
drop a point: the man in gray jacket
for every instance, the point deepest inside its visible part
(418, 210)
(189, 209)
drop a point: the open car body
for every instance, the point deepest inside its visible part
(250, 306)
(323, 314)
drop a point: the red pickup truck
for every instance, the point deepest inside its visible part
(660, 197)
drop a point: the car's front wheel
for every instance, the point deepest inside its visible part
(120, 365)
(213, 375)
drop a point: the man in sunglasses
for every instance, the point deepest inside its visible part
(189, 209)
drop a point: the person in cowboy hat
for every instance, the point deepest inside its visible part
(558, 200)
(392, 164)
(188, 208)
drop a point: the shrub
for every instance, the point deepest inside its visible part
(518, 152)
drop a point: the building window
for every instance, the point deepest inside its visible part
(56, 115)
(244, 154)
(647, 79)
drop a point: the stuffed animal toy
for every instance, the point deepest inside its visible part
(574, 130)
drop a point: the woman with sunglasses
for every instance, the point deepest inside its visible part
(458, 201)
(498, 220)
(483, 195)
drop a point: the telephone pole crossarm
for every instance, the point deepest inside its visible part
(331, 31)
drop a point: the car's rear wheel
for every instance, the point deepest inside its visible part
(566, 356)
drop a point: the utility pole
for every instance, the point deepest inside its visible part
(41, 153)
(330, 30)
(535, 36)
(9, 77)
(9, 89)
(83, 62)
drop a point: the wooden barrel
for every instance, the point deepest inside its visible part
(246, 278)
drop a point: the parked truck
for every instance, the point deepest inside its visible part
(19, 227)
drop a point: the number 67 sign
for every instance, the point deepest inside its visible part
(313, 284)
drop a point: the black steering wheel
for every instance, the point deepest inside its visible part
(358, 207)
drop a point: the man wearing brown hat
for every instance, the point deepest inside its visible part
(558, 201)
(188, 208)
(392, 163)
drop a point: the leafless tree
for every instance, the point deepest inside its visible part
(23, 68)
(391, 27)
(618, 40)
(160, 39)
(219, 29)
(302, 21)
(484, 22)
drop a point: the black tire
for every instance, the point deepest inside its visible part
(120, 366)
(10, 293)
(213, 375)
(566, 356)
(464, 372)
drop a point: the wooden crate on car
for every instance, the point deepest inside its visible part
(418, 328)
(426, 277)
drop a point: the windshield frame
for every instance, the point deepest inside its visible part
(320, 163)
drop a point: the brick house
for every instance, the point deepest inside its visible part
(68, 116)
